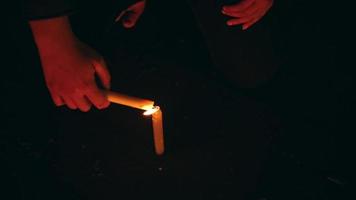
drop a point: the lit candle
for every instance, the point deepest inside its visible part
(130, 101)
(150, 109)
(157, 124)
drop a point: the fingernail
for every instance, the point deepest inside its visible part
(106, 105)
(103, 106)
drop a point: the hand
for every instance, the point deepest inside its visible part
(70, 66)
(247, 12)
(70, 77)
(131, 15)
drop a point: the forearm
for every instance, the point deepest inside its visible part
(52, 34)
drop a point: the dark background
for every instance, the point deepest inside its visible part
(307, 108)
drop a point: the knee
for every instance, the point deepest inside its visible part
(248, 75)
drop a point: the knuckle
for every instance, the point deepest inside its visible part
(76, 91)
(87, 86)
(89, 75)
(71, 93)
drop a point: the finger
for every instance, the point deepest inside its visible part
(102, 71)
(70, 103)
(82, 102)
(239, 7)
(97, 97)
(249, 11)
(131, 19)
(233, 14)
(138, 7)
(238, 21)
(57, 100)
(250, 23)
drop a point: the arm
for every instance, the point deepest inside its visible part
(69, 65)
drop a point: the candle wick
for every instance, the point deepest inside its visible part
(151, 111)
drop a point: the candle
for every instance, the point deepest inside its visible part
(150, 109)
(130, 101)
(157, 124)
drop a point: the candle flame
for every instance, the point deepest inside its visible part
(151, 110)
(148, 107)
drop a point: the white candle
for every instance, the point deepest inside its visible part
(150, 109)
(157, 124)
(130, 101)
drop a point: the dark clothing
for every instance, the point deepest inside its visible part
(38, 9)
(246, 58)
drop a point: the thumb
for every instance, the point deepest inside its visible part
(103, 73)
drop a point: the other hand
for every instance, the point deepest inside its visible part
(132, 14)
(246, 12)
